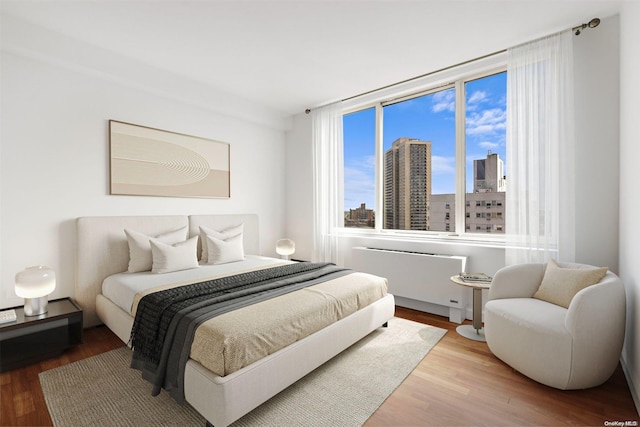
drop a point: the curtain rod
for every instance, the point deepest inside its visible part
(592, 24)
(576, 30)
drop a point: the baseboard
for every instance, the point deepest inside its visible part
(427, 307)
(635, 394)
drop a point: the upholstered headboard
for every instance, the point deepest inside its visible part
(102, 248)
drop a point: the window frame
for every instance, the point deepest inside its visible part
(455, 77)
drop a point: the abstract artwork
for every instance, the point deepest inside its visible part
(153, 162)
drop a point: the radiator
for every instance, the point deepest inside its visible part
(417, 276)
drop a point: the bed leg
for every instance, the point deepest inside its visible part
(385, 324)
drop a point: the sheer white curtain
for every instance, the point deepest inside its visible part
(540, 204)
(327, 181)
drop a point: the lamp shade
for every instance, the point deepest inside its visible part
(285, 247)
(35, 282)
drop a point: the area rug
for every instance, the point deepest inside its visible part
(346, 391)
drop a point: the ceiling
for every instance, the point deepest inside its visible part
(290, 55)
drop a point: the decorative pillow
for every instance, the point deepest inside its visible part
(559, 285)
(221, 235)
(179, 256)
(224, 251)
(140, 251)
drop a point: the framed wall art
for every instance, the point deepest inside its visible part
(153, 162)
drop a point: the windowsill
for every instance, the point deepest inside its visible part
(481, 240)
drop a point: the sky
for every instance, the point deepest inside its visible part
(429, 118)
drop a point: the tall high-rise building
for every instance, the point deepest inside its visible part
(407, 184)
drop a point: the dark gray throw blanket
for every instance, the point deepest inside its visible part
(166, 321)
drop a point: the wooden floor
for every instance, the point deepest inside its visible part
(459, 383)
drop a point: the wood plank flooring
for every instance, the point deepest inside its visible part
(461, 383)
(458, 383)
(22, 400)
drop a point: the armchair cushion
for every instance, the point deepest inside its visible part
(559, 285)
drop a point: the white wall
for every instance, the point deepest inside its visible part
(597, 99)
(299, 183)
(629, 179)
(54, 162)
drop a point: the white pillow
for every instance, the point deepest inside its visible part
(179, 256)
(559, 284)
(224, 251)
(221, 235)
(140, 251)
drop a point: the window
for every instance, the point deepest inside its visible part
(359, 168)
(419, 160)
(485, 141)
(403, 162)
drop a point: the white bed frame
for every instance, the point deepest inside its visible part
(102, 250)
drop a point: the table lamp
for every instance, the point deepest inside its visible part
(34, 284)
(285, 247)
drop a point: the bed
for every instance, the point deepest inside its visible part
(220, 395)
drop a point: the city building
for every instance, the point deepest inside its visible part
(407, 184)
(484, 207)
(488, 174)
(360, 217)
(484, 212)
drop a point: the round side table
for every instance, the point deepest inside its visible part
(475, 330)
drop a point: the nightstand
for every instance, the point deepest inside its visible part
(33, 338)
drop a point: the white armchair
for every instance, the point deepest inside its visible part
(566, 348)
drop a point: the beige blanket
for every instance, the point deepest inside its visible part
(236, 339)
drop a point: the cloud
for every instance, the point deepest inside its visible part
(488, 145)
(487, 121)
(477, 97)
(444, 101)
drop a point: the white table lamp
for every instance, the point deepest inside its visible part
(34, 284)
(285, 247)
